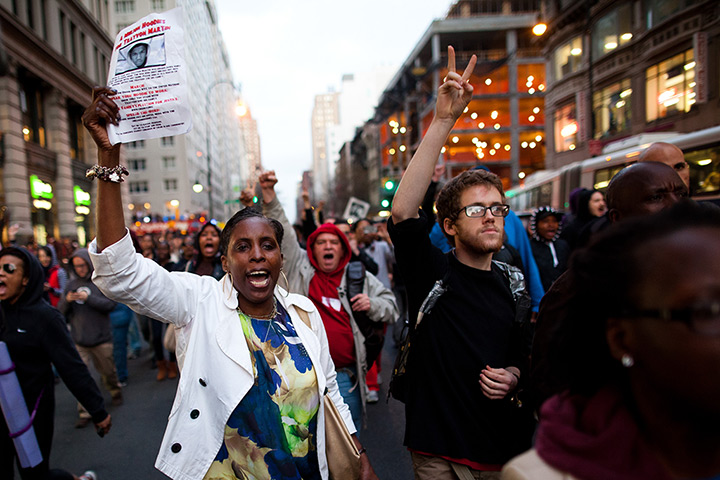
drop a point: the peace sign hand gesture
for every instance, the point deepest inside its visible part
(455, 93)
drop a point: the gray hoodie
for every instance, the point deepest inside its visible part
(89, 320)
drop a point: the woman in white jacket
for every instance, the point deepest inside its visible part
(249, 401)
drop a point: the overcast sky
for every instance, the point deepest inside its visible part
(285, 52)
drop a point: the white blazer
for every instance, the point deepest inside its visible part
(216, 367)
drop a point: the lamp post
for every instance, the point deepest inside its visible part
(207, 141)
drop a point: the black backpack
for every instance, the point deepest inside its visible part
(374, 332)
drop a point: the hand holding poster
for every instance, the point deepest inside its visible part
(147, 68)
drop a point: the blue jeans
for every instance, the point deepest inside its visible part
(350, 391)
(120, 318)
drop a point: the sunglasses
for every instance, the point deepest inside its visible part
(9, 268)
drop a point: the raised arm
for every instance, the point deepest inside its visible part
(110, 219)
(453, 96)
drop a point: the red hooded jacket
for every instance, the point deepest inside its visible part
(323, 291)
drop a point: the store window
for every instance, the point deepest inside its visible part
(566, 128)
(76, 131)
(612, 108)
(670, 86)
(567, 58)
(612, 31)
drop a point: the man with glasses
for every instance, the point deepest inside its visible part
(467, 355)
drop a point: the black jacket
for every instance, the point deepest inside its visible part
(36, 336)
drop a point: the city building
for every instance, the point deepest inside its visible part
(181, 178)
(622, 68)
(503, 127)
(325, 113)
(56, 52)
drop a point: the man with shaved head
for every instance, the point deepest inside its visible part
(671, 156)
(643, 189)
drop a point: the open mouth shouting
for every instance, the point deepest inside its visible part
(259, 278)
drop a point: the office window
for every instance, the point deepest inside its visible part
(566, 128)
(158, 4)
(612, 108)
(140, 186)
(168, 163)
(83, 61)
(167, 141)
(656, 11)
(32, 108)
(170, 185)
(137, 164)
(136, 144)
(63, 45)
(124, 6)
(567, 58)
(612, 31)
(670, 86)
(73, 43)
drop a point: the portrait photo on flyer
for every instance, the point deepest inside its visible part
(148, 71)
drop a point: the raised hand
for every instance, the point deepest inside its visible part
(102, 111)
(455, 93)
(267, 181)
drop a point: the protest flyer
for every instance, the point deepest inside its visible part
(147, 68)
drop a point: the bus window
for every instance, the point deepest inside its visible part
(704, 170)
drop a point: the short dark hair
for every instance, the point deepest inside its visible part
(448, 201)
(605, 276)
(241, 216)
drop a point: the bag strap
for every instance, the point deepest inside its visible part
(303, 316)
(432, 297)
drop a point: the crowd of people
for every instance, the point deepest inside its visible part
(579, 344)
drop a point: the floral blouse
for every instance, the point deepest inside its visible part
(271, 434)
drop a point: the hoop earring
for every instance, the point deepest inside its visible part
(287, 290)
(229, 275)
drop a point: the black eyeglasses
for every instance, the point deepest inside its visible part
(703, 318)
(498, 210)
(9, 268)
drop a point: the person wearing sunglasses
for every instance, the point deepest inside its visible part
(469, 352)
(37, 338)
(635, 356)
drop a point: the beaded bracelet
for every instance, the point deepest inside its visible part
(107, 174)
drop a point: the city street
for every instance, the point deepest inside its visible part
(129, 451)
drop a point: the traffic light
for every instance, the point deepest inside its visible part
(388, 188)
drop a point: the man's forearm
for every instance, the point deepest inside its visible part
(417, 177)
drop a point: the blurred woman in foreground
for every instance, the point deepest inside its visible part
(639, 366)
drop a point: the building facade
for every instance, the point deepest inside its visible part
(325, 114)
(503, 127)
(201, 173)
(621, 68)
(56, 52)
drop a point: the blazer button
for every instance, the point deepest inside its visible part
(194, 414)
(176, 447)
(202, 382)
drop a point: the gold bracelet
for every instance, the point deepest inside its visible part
(107, 174)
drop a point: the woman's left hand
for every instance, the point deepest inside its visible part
(366, 470)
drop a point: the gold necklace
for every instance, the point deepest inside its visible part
(269, 316)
